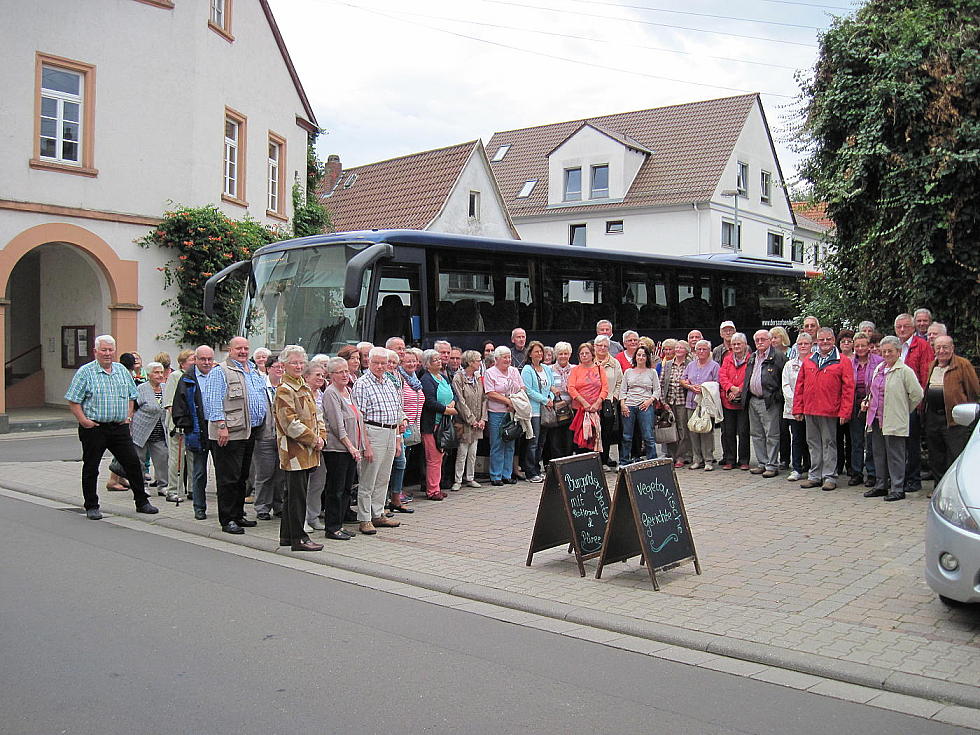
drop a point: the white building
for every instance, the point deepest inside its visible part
(112, 111)
(448, 190)
(653, 181)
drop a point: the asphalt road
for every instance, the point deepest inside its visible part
(107, 630)
(29, 447)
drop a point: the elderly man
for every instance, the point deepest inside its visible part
(444, 349)
(398, 345)
(763, 389)
(380, 404)
(236, 406)
(518, 353)
(824, 397)
(188, 415)
(176, 451)
(631, 341)
(917, 354)
(952, 380)
(364, 349)
(726, 330)
(604, 326)
(455, 361)
(936, 329)
(694, 336)
(270, 478)
(922, 319)
(102, 398)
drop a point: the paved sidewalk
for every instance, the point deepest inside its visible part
(827, 583)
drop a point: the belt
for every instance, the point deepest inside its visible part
(383, 426)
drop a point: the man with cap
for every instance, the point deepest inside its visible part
(727, 329)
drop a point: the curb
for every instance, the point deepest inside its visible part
(874, 677)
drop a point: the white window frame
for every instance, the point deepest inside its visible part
(217, 13)
(793, 250)
(501, 152)
(526, 190)
(577, 196)
(598, 193)
(742, 178)
(275, 196)
(770, 236)
(233, 160)
(60, 99)
(572, 229)
(615, 227)
(728, 224)
(765, 182)
(473, 209)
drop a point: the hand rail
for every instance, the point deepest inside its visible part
(12, 360)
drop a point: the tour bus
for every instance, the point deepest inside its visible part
(327, 291)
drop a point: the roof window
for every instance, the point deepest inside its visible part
(501, 152)
(526, 190)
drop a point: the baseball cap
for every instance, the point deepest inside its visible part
(727, 324)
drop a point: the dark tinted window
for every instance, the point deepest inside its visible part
(479, 292)
(578, 293)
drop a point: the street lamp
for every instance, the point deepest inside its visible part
(737, 237)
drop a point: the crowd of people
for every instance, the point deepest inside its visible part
(322, 441)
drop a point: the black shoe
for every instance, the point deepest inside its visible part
(307, 545)
(894, 496)
(246, 522)
(875, 493)
(855, 480)
(509, 481)
(93, 514)
(263, 516)
(340, 535)
(200, 515)
(870, 482)
(496, 483)
(285, 542)
(350, 516)
(913, 488)
(277, 514)
(147, 508)
(402, 509)
(234, 528)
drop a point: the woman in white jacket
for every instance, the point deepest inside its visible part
(800, 456)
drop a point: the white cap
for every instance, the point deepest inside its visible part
(727, 324)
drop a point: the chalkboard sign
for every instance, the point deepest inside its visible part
(648, 519)
(574, 508)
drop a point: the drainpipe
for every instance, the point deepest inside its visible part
(697, 215)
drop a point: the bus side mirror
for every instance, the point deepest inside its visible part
(212, 283)
(355, 271)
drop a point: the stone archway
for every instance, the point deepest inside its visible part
(121, 280)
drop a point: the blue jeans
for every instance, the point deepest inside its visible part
(397, 480)
(199, 481)
(799, 453)
(532, 450)
(645, 421)
(501, 452)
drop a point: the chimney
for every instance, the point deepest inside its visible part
(331, 172)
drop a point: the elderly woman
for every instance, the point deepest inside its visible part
(147, 430)
(439, 401)
(609, 419)
(675, 396)
(353, 357)
(261, 359)
(313, 376)
(302, 435)
(702, 370)
(641, 390)
(588, 386)
(894, 394)
(345, 445)
(538, 381)
(799, 453)
(867, 327)
(952, 380)
(501, 382)
(549, 355)
(735, 427)
(412, 401)
(472, 417)
(667, 348)
(862, 455)
(560, 438)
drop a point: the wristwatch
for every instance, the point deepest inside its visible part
(222, 425)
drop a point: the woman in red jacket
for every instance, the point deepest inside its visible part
(824, 396)
(735, 427)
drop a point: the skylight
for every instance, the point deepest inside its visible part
(501, 152)
(527, 189)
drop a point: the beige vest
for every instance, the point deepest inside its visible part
(237, 420)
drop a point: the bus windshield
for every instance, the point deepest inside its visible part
(299, 299)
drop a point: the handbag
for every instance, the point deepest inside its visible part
(665, 427)
(510, 430)
(445, 434)
(563, 413)
(412, 435)
(610, 413)
(700, 422)
(549, 417)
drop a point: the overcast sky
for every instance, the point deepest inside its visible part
(389, 77)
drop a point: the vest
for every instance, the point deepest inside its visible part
(235, 405)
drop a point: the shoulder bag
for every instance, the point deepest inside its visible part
(510, 430)
(445, 434)
(700, 422)
(665, 427)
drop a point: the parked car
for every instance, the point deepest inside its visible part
(953, 522)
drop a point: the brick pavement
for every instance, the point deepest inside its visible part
(806, 571)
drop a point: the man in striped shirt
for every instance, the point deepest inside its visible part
(101, 397)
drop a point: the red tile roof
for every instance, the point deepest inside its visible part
(691, 144)
(406, 192)
(815, 212)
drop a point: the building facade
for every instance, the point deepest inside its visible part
(114, 111)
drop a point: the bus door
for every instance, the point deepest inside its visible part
(399, 303)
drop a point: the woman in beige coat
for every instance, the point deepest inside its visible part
(472, 419)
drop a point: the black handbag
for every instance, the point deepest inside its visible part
(510, 430)
(609, 415)
(445, 434)
(563, 413)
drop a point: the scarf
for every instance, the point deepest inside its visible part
(410, 378)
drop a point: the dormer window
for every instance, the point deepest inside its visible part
(501, 152)
(600, 182)
(573, 184)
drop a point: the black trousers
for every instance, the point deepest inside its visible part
(116, 438)
(735, 436)
(340, 478)
(232, 463)
(913, 453)
(294, 510)
(945, 443)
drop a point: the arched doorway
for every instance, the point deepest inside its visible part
(56, 276)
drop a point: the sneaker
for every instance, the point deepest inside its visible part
(94, 514)
(385, 522)
(793, 476)
(455, 488)
(147, 508)
(173, 498)
(695, 466)
(472, 483)
(807, 484)
(367, 528)
(536, 478)
(757, 470)
(828, 485)
(769, 473)
(709, 467)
